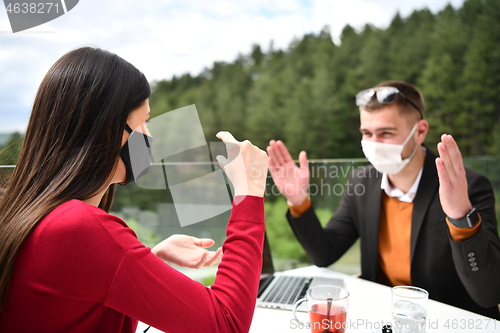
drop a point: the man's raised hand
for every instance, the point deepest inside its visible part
(452, 181)
(291, 180)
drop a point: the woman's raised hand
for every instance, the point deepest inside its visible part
(246, 165)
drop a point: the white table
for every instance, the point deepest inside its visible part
(369, 309)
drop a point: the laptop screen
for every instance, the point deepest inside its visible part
(267, 260)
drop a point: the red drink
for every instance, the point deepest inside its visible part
(322, 322)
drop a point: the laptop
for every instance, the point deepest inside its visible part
(279, 290)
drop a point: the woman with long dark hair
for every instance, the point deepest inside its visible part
(66, 265)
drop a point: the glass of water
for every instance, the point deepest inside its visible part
(409, 309)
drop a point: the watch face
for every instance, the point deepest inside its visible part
(472, 218)
(472, 211)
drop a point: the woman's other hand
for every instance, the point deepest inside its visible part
(188, 251)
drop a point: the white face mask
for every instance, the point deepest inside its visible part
(386, 157)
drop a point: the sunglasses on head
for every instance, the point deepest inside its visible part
(384, 95)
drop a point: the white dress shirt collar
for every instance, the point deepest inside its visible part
(392, 191)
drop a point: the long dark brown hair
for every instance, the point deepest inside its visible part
(72, 143)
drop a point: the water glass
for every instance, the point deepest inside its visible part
(409, 309)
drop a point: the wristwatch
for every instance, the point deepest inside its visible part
(470, 220)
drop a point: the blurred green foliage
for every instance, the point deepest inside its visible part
(208, 281)
(147, 236)
(9, 152)
(281, 238)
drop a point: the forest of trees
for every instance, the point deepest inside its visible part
(304, 95)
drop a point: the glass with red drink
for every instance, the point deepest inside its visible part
(327, 306)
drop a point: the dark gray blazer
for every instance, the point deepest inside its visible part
(438, 264)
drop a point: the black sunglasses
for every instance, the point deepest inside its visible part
(384, 95)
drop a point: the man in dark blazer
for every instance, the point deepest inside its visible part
(422, 220)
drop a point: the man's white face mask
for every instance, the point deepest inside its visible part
(386, 157)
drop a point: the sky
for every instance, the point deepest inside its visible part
(163, 38)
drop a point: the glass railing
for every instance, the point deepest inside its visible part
(152, 213)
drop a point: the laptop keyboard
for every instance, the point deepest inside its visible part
(288, 289)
